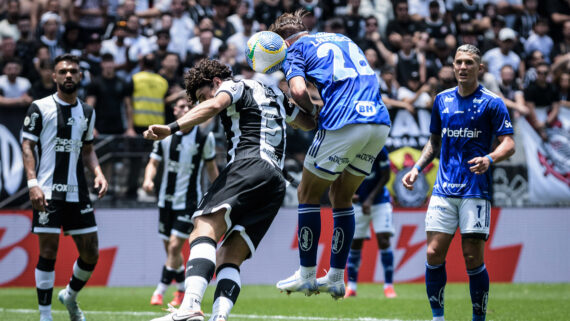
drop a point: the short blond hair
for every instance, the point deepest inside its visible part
(472, 50)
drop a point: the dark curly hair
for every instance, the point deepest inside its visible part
(289, 23)
(203, 75)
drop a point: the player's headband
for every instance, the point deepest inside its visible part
(295, 35)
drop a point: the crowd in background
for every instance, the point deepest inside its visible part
(134, 52)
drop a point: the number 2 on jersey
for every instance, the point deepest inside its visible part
(341, 72)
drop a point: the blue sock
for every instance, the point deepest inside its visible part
(387, 259)
(309, 233)
(342, 236)
(353, 264)
(479, 288)
(436, 277)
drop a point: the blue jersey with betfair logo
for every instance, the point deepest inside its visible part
(467, 126)
(338, 68)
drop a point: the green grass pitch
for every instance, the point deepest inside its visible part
(507, 302)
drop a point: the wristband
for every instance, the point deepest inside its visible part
(490, 158)
(418, 167)
(32, 182)
(174, 127)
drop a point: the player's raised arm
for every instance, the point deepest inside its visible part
(431, 150)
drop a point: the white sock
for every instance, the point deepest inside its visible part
(387, 285)
(45, 311)
(160, 288)
(196, 285)
(335, 274)
(71, 294)
(308, 272)
(351, 285)
(438, 318)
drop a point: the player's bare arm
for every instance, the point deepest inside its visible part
(90, 160)
(149, 174)
(504, 150)
(197, 115)
(303, 121)
(300, 94)
(430, 151)
(37, 196)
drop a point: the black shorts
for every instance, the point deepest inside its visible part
(251, 191)
(175, 222)
(74, 218)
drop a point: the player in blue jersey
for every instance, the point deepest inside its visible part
(353, 126)
(373, 207)
(464, 122)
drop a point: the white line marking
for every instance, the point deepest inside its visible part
(242, 316)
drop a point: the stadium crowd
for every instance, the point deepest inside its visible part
(134, 53)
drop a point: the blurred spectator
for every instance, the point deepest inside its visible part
(139, 45)
(42, 53)
(496, 58)
(201, 9)
(526, 20)
(381, 9)
(222, 28)
(9, 25)
(90, 15)
(7, 50)
(63, 9)
(242, 13)
(415, 93)
(408, 60)
(108, 94)
(182, 28)
(44, 86)
(266, 11)
(335, 25)
(373, 59)
(239, 39)
(117, 47)
(227, 55)
(542, 99)
(389, 90)
(562, 47)
(170, 70)
(513, 97)
(437, 28)
(203, 44)
(563, 88)
(310, 20)
(445, 79)
(353, 21)
(558, 12)
(91, 58)
(13, 88)
(421, 10)
(151, 9)
(70, 42)
(510, 9)
(488, 80)
(440, 55)
(162, 44)
(471, 15)
(50, 24)
(539, 40)
(401, 24)
(534, 59)
(25, 46)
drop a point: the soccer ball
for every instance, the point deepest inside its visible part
(265, 52)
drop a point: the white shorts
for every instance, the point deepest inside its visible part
(445, 214)
(380, 217)
(353, 147)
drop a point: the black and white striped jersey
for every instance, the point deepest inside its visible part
(60, 130)
(255, 121)
(183, 156)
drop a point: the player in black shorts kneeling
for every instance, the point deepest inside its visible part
(243, 201)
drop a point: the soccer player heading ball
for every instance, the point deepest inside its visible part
(464, 120)
(244, 199)
(353, 126)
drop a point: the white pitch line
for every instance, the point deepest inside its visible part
(242, 316)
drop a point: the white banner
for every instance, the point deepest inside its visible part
(548, 163)
(526, 245)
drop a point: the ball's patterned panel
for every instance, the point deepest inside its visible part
(265, 52)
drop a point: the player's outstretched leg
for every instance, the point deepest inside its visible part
(343, 233)
(165, 280)
(436, 278)
(227, 291)
(479, 288)
(304, 279)
(45, 277)
(387, 259)
(352, 267)
(199, 271)
(81, 273)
